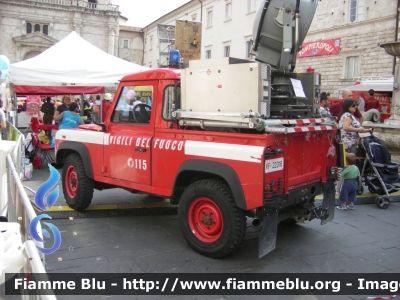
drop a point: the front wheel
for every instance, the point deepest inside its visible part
(77, 187)
(382, 202)
(209, 219)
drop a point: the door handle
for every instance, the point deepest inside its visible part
(140, 149)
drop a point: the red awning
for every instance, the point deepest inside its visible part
(57, 90)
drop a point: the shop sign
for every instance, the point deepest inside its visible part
(325, 47)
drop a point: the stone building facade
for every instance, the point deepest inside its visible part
(130, 44)
(29, 27)
(361, 25)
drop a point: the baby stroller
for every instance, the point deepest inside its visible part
(377, 170)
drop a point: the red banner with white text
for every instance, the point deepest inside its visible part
(326, 47)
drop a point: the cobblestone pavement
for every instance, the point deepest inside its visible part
(366, 240)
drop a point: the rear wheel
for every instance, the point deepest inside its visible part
(209, 219)
(371, 189)
(77, 187)
(360, 189)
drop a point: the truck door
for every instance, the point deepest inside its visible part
(127, 146)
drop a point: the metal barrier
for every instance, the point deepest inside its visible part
(15, 202)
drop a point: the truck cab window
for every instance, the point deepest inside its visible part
(133, 105)
(171, 101)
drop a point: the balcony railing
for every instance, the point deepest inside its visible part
(72, 3)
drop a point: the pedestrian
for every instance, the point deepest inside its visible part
(87, 109)
(66, 100)
(324, 106)
(69, 118)
(348, 191)
(349, 126)
(106, 105)
(335, 109)
(371, 102)
(137, 101)
(48, 111)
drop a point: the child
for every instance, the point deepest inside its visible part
(348, 191)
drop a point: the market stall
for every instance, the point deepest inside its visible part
(73, 66)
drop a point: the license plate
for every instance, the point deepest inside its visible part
(273, 165)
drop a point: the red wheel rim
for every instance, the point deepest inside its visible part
(205, 220)
(71, 181)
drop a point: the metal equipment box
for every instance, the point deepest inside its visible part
(226, 85)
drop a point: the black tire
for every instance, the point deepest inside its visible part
(371, 189)
(77, 187)
(221, 225)
(360, 189)
(382, 202)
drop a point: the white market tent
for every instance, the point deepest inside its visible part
(71, 64)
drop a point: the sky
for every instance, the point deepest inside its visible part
(142, 12)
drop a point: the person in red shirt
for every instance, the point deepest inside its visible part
(336, 108)
(371, 102)
(106, 105)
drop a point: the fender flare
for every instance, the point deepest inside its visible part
(81, 149)
(224, 171)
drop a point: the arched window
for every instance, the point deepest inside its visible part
(46, 29)
(37, 28)
(28, 28)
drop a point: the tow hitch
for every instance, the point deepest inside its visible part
(319, 213)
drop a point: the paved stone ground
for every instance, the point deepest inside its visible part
(366, 240)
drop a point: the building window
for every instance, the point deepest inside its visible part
(356, 10)
(248, 48)
(125, 44)
(352, 67)
(208, 54)
(92, 4)
(37, 28)
(151, 43)
(228, 11)
(209, 18)
(251, 6)
(227, 50)
(194, 18)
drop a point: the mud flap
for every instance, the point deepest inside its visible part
(267, 237)
(328, 202)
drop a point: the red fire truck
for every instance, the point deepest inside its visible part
(223, 139)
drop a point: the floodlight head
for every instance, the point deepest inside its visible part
(274, 30)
